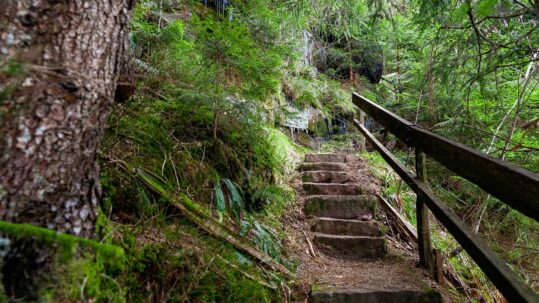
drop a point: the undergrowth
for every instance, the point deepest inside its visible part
(202, 125)
(212, 88)
(199, 126)
(403, 198)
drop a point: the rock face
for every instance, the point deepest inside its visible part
(347, 57)
(219, 5)
(370, 63)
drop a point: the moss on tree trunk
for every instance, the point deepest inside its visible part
(61, 61)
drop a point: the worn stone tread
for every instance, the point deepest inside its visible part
(325, 158)
(374, 296)
(357, 247)
(327, 166)
(332, 226)
(340, 207)
(331, 189)
(321, 176)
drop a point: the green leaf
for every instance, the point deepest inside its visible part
(486, 7)
(460, 12)
(219, 198)
(236, 199)
(266, 239)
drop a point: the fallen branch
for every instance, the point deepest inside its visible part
(397, 243)
(202, 219)
(311, 249)
(191, 245)
(404, 228)
(408, 231)
(219, 231)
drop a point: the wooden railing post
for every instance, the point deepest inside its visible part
(362, 122)
(422, 213)
(515, 186)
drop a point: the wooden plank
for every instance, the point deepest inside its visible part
(509, 284)
(511, 184)
(397, 125)
(422, 215)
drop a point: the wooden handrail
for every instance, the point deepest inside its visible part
(511, 184)
(509, 284)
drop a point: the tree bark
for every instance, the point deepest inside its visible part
(60, 61)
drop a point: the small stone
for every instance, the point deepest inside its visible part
(365, 217)
(28, 82)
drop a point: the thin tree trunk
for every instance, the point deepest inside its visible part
(397, 51)
(64, 60)
(526, 81)
(518, 104)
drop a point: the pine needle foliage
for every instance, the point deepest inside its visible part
(213, 86)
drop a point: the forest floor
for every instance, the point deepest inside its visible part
(398, 270)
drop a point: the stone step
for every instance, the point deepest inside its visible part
(318, 295)
(340, 207)
(327, 166)
(326, 177)
(325, 158)
(353, 247)
(331, 189)
(331, 226)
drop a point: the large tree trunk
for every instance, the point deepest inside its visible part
(60, 62)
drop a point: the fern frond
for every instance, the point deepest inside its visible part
(236, 199)
(220, 202)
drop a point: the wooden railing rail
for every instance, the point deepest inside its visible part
(513, 185)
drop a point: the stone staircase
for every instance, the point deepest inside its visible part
(344, 216)
(343, 227)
